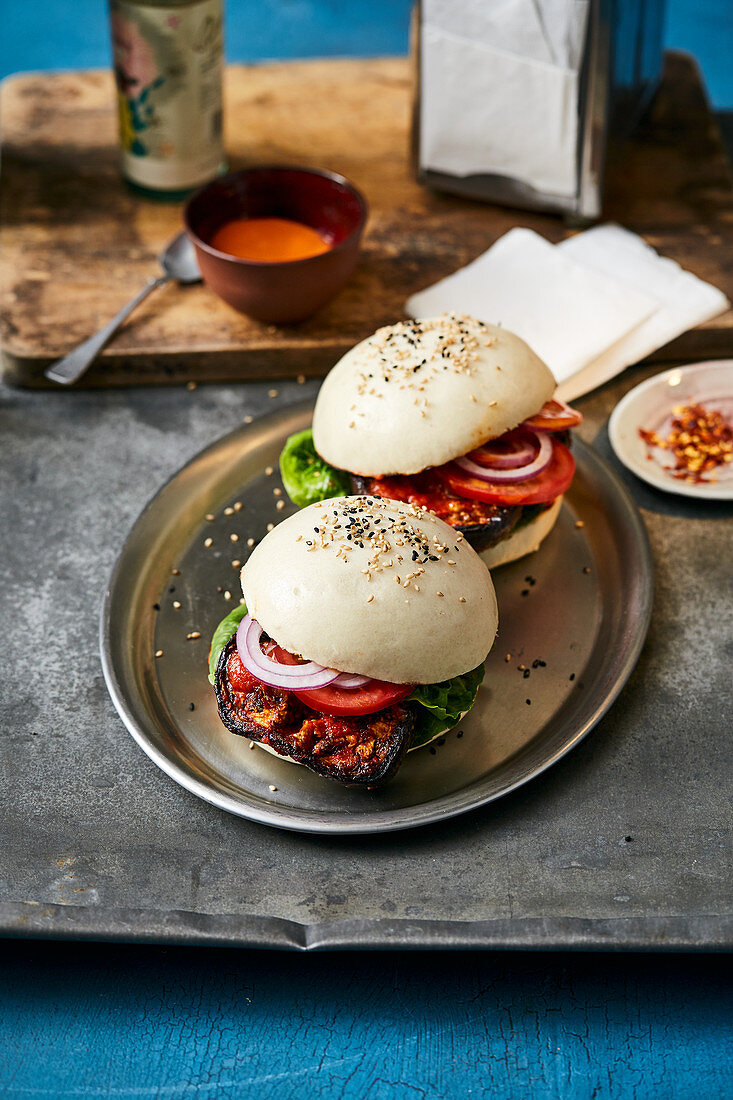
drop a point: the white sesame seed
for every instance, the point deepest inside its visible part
(159, 653)
(208, 543)
(176, 604)
(277, 491)
(438, 593)
(209, 517)
(236, 563)
(228, 511)
(238, 506)
(280, 505)
(371, 598)
(461, 599)
(227, 595)
(300, 379)
(248, 420)
(273, 787)
(234, 538)
(251, 744)
(250, 542)
(270, 526)
(268, 471)
(272, 393)
(190, 385)
(194, 635)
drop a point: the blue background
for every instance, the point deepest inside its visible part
(58, 34)
(106, 1020)
(89, 1020)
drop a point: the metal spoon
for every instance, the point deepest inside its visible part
(178, 261)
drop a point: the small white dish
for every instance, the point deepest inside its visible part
(649, 406)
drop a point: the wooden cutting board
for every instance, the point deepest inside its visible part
(75, 244)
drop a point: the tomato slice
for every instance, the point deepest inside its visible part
(373, 696)
(552, 482)
(554, 416)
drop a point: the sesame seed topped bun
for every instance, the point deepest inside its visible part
(373, 586)
(420, 393)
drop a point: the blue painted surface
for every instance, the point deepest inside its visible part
(88, 1020)
(57, 34)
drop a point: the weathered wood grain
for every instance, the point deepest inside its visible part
(76, 244)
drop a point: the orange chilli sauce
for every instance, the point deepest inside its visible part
(269, 240)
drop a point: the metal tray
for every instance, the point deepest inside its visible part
(573, 619)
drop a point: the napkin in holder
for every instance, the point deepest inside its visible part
(516, 98)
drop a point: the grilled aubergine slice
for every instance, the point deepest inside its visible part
(365, 750)
(482, 524)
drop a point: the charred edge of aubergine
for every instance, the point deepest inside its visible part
(374, 772)
(478, 535)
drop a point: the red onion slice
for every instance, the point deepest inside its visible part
(521, 473)
(293, 677)
(505, 460)
(350, 681)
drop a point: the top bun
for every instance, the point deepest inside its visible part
(373, 586)
(452, 383)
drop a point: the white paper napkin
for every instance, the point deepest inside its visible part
(589, 307)
(499, 89)
(683, 300)
(567, 312)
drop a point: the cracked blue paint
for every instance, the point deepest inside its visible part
(89, 1020)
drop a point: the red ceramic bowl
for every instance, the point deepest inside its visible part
(290, 290)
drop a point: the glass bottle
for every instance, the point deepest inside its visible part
(168, 64)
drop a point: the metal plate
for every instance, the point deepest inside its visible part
(573, 619)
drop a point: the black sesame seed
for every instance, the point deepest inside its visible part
(525, 591)
(191, 706)
(433, 751)
(172, 588)
(572, 676)
(525, 674)
(156, 607)
(460, 733)
(528, 702)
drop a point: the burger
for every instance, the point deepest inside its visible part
(451, 414)
(362, 635)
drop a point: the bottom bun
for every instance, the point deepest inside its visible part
(523, 541)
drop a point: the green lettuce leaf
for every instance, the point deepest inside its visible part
(444, 704)
(222, 634)
(306, 477)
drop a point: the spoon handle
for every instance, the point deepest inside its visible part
(73, 365)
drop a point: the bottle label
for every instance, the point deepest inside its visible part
(168, 65)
